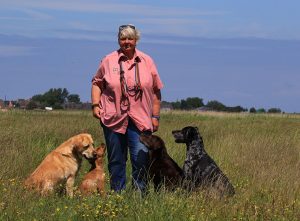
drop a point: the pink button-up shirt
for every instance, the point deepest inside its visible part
(114, 111)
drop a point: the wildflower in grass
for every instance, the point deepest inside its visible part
(192, 217)
(3, 205)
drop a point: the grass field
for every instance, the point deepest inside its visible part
(259, 153)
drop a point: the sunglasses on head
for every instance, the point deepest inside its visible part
(125, 26)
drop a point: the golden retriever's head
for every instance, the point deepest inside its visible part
(84, 145)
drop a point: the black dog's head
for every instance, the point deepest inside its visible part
(186, 134)
(154, 143)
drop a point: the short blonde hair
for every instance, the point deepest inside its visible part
(129, 31)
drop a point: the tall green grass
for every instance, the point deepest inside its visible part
(259, 153)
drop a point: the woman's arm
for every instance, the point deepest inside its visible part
(156, 110)
(95, 94)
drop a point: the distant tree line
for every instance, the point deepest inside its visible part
(262, 110)
(60, 98)
(192, 103)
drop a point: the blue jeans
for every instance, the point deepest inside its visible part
(117, 148)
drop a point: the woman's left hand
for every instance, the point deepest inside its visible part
(155, 123)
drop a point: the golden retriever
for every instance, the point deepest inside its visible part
(61, 165)
(94, 181)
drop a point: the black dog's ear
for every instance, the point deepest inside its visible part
(189, 134)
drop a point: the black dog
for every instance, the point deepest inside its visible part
(199, 168)
(163, 169)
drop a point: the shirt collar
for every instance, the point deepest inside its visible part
(123, 57)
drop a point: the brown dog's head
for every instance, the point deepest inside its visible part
(100, 151)
(98, 158)
(154, 143)
(84, 145)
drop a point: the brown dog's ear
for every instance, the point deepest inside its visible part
(103, 146)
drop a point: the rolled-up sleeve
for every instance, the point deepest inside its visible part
(157, 83)
(98, 78)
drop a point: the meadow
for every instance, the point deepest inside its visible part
(260, 154)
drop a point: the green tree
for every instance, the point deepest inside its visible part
(183, 105)
(235, 109)
(188, 104)
(194, 102)
(261, 110)
(216, 105)
(252, 110)
(73, 98)
(31, 105)
(274, 110)
(176, 105)
(55, 97)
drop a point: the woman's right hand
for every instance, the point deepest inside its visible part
(96, 112)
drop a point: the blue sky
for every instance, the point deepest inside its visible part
(237, 52)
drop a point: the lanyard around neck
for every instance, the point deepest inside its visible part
(137, 87)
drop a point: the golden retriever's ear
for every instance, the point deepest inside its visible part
(85, 144)
(77, 144)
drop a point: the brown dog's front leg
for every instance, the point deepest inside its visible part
(70, 185)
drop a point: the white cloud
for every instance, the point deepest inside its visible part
(154, 18)
(104, 7)
(25, 14)
(37, 15)
(172, 21)
(9, 51)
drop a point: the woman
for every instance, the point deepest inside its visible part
(126, 98)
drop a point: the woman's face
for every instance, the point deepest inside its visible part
(127, 45)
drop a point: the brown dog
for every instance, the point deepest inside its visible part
(61, 165)
(94, 181)
(163, 169)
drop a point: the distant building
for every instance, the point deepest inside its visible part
(10, 105)
(166, 106)
(79, 106)
(22, 103)
(203, 109)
